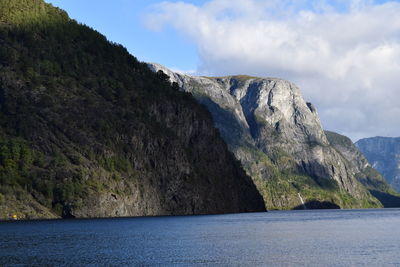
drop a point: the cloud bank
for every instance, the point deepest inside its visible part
(345, 55)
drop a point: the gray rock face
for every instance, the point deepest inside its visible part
(384, 155)
(349, 151)
(261, 117)
(363, 171)
(173, 180)
(359, 165)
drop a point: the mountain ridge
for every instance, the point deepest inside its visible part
(278, 138)
(384, 155)
(376, 184)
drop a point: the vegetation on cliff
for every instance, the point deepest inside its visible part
(282, 184)
(364, 172)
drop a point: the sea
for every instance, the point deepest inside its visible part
(369, 237)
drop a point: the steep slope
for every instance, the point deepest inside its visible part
(88, 131)
(278, 138)
(384, 155)
(363, 171)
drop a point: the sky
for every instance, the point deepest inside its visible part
(343, 54)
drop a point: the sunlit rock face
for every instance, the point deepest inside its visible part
(270, 116)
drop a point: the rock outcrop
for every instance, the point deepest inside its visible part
(384, 155)
(349, 151)
(363, 171)
(278, 138)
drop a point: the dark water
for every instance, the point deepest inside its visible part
(291, 238)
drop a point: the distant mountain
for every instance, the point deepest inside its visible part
(363, 171)
(88, 131)
(279, 140)
(384, 155)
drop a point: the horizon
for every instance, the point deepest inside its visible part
(343, 55)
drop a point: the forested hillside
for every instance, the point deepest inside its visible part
(87, 130)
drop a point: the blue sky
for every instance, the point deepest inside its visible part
(121, 21)
(343, 54)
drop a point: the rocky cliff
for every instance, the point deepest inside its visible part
(384, 155)
(88, 131)
(278, 138)
(363, 171)
(349, 151)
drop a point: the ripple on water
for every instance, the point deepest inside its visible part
(279, 238)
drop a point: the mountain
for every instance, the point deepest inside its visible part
(89, 131)
(279, 140)
(384, 155)
(363, 171)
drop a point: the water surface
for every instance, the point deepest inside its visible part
(278, 238)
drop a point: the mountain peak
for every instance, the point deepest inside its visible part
(277, 136)
(384, 154)
(272, 100)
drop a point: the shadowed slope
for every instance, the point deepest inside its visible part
(88, 131)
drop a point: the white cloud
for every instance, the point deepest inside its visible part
(344, 56)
